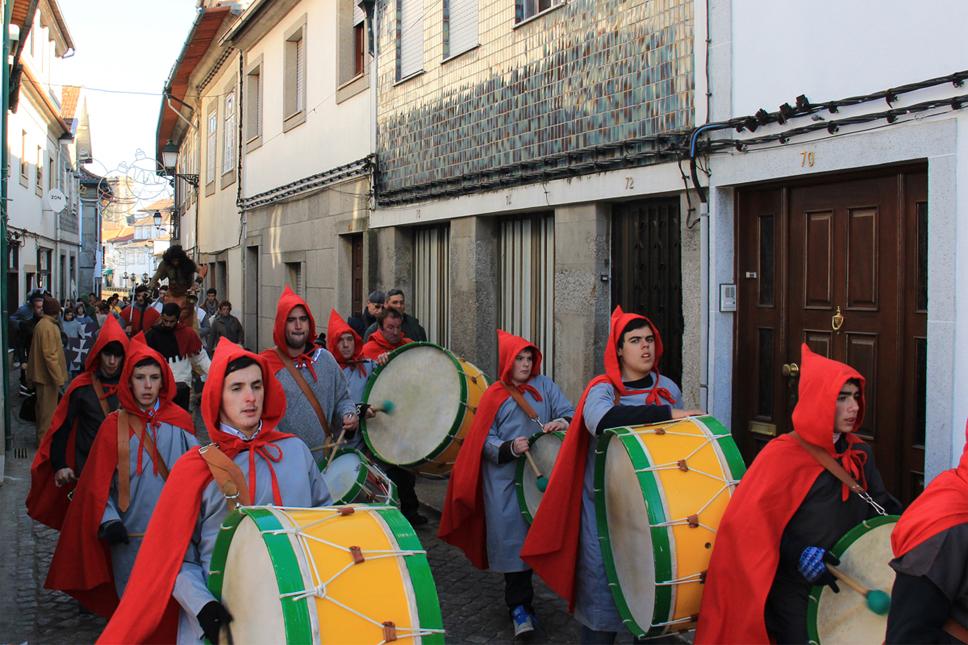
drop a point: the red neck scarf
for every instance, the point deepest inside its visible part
(655, 395)
(378, 344)
(462, 521)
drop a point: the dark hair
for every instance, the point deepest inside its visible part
(638, 323)
(212, 290)
(68, 310)
(388, 313)
(240, 363)
(186, 268)
(114, 348)
(145, 362)
(225, 303)
(171, 309)
(395, 292)
(141, 288)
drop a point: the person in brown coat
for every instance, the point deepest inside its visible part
(46, 366)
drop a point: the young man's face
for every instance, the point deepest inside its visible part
(210, 297)
(242, 398)
(637, 353)
(521, 371)
(396, 302)
(38, 308)
(110, 363)
(393, 330)
(146, 384)
(297, 328)
(141, 297)
(167, 322)
(224, 311)
(848, 407)
(374, 308)
(346, 346)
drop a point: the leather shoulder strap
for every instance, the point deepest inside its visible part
(138, 426)
(521, 401)
(227, 475)
(102, 399)
(831, 464)
(956, 630)
(306, 390)
(124, 462)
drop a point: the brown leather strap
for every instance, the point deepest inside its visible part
(306, 390)
(101, 397)
(521, 401)
(956, 630)
(227, 475)
(124, 462)
(831, 464)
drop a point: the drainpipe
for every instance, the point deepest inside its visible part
(4, 250)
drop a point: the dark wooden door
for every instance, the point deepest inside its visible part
(356, 261)
(834, 265)
(647, 271)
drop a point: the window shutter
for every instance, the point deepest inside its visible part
(411, 36)
(300, 75)
(462, 26)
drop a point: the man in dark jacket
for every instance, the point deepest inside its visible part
(411, 326)
(227, 325)
(367, 317)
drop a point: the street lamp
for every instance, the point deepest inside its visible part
(144, 278)
(157, 219)
(169, 157)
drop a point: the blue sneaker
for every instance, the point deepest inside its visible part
(523, 621)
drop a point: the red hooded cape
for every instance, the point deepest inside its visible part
(289, 300)
(747, 548)
(336, 328)
(46, 502)
(82, 563)
(462, 522)
(551, 547)
(943, 504)
(143, 613)
(378, 344)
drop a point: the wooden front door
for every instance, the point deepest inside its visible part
(841, 266)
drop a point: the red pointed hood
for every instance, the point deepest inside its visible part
(821, 380)
(508, 347)
(287, 302)
(110, 332)
(137, 352)
(336, 328)
(619, 321)
(274, 404)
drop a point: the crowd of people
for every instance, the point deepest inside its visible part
(139, 503)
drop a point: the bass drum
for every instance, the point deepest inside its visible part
(544, 447)
(661, 491)
(865, 554)
(434, 395)
(353, 574)
(352, 478)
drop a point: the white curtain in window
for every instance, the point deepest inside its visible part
(411, 36)
(462, 26)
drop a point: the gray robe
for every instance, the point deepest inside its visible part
(333, 396)
(594, 605)
(172, 442)
(356, 383)
(300, 485)
(506, 528)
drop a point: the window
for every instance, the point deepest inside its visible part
(44, 258)
(294, 276)
(359, 39)
(51, 175)
(23, 156)
(253, 103)
(39, 171)
(210, 145)
(460, 26)
(524, 9)
(431, 281)
(228, 134)
(409, 38)
(294, 90)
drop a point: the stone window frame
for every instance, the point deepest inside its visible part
(24, 172)
(211, 147)
(399, 75)
(229, 90)
(349, 85)
(253, 104)
(294, 42)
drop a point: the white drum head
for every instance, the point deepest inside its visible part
(342, 473)
(629, 533)
(424, 385)
(544, 451)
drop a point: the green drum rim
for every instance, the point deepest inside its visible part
(519, 475)
(360, 476)
(462, 408)
(296, 614)
(661, 548)
(421, 577)
(838, 549)
(727, 445)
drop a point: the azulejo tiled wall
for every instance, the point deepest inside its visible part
(590, 72)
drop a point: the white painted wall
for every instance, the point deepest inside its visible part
(333, 134)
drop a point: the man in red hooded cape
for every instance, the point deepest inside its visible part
(89, 398)
(318, 403)
(929, 602)
(387, 337)
(481, 514)
(562, 545)
(242, 404)
(788, 511)
(114, 501)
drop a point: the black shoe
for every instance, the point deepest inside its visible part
(416, 519)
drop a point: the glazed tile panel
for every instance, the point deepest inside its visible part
(588, 73)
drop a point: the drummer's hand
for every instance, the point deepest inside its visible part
(682, 414)
(556, 425)
(370, 412)
(64, 476)
(812, 565)
(520, 445)
(351, 422)
(383, 358)
(212, 618)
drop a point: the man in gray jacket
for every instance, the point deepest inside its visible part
(224, 324)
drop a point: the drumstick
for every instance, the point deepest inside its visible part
(386, 407)
(540, 480)
(339, 440)
(877, 601)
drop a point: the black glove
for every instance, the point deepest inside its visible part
(114, 532)
(212, 618)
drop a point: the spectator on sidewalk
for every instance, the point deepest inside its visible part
(225, 325)
(46, 364)
(374, 305)
(211, 304)
(411, 326)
